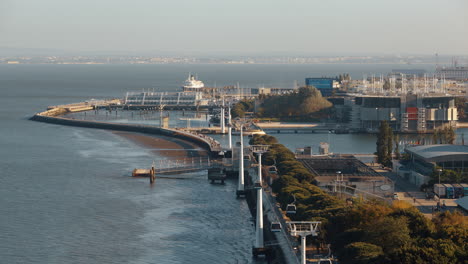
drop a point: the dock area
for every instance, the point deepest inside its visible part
(283, 125)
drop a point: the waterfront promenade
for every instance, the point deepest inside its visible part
(54, 115)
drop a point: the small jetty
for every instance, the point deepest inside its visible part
(145, 173)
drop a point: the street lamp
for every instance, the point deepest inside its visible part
(440, 171)
(438, 187)
(338, 173)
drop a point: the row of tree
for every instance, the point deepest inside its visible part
(367, 231)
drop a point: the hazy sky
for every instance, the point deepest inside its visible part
(303, 27)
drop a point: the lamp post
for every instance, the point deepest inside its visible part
(259, 246)
(438, 187)
(440, 171)
(338, 173)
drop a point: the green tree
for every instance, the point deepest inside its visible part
(384, 144)
(361, 253)
(450, 135)
(435, 136)
(389, 233)
(396, 140)
(461, 104)
(386, 85)
(300, 104)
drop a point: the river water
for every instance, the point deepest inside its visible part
(66, 195)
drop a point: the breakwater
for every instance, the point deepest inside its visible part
(54, 115)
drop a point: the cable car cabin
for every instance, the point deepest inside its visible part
(325, 261)
(291, 209)
(272, 170)
(275, 227)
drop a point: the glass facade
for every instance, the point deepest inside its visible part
(324, 85)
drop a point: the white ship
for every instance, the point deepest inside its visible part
(192, 84)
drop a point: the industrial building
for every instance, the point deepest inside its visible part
(424, 159)
(407, 113)
(324, 85)
(331, 171)
(167, 99)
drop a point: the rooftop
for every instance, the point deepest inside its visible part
(348, 166)
(440, 152)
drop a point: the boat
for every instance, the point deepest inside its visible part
(192, 84)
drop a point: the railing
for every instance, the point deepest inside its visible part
(175, 166)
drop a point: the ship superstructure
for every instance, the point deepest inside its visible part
(192, 84)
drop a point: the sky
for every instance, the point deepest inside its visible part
(237, 27)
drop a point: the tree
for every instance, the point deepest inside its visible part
(386, 85)
(450, 135)
(385, 144)
(394, 235)
(444, 135)
(435, 136)
(460, 103)
(299, 104)
(396, 139)
(361, 253)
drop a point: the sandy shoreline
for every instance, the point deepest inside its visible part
(164, 146)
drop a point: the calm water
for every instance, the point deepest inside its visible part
(66, 195)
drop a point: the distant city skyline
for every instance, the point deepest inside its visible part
(235, 28)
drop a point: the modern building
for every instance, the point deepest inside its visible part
(424, 159)
(407, 113)
(324, 85)
(166, 99)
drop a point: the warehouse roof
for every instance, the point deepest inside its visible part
(442, 152)
(463, 202)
